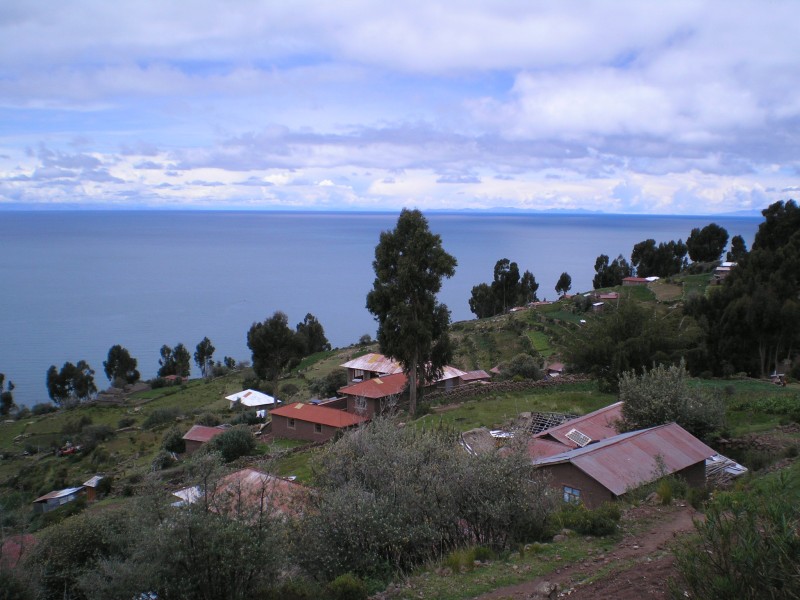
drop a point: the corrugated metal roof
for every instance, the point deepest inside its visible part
(94, 481)
(251, 398)
(58, 494)
(629, 460)
(318, 414)
(202, 433)
(597, 425)
(375, 363)
(476, 375)
(377, 387)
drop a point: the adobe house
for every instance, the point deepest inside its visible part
(199, 435)
(603, 471)
(627, 281)
(370, 397)
(311, 422)
(370, 366)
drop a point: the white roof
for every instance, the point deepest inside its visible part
(652, 278)
(251, 398)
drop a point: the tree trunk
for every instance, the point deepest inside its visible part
(412, 387)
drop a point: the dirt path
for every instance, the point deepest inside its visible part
(638, 567)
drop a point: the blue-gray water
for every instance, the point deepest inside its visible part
(76, 283)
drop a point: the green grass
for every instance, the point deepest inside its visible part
(297, 464)
(541, 343)
(497, 410)
(695, 284)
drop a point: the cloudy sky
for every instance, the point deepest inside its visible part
(615, 105)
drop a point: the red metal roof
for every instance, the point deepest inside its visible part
(318, 414)
(629, 460)
(378, 387)
(476, 375)
(202, 433)
(597, 425)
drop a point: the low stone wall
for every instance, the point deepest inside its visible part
(464, 392)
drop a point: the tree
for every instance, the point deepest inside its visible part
(120, 366)
(274, 346)
(409, 265)
(312, 335)
(528, 288)
(204, 356)
(662, 395)
(174, 361)
(738, 249)
(507, 289)
(233, 443)
(73, 383)
(564, 284)
(707, 244)
(610, 274)
(481, 302)
(506, 284)
(662, 261)
(6, 396)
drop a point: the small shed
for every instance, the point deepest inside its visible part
(608, 469)
(199, 435)
(627, 281)
(252, 399)
(91, 487)
(56, 498)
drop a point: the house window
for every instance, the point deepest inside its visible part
(572, 494)
(317, 428)
(358, 375)
(290, 424)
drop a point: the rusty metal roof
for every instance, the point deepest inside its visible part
(202, 433)
(629, 460)
(313, 413)
(377, 387)
(58, 494)
(597, 425)
(374, 363)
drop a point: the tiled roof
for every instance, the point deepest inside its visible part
(628, 460)
(318, 414)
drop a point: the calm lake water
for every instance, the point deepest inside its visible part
(76, 283)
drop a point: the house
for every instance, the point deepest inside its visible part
(253, 399)
(310, 422)
(199, 435)
(576, 433)
(248, 493)
(91, 487)
(56, 498)
(372, 396)
(634, 281)
(608, 469)
(722, 271)
(370, 366)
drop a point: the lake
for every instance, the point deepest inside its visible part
(78, 282)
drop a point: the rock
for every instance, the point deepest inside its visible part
(559, 538)
(546, 589)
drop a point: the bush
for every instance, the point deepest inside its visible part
(294, 589)
(208, 419)
(289, 389)
(346, 587)
(160, 416)
(522, 366)
(233, 443)
(125, 422)
(43, 408)
(601, 521)
(746, 547)
(328, 386)
(91, 435)
(173, 441)
(22, 413)
(75, 424)
(162, 460)
(247, 417)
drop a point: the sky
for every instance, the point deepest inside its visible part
(621, 106)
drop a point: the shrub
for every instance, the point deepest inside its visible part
(125, 422)
(75, 425)
(601, 521)
(160, 416)
(697, 497)
(173, 441)
(247, 417)
(158, 382)
(208, 419)
(91, 435)
(289, 389)
(22, 413)
(346, 587)
(522, 366)
(328, 386)
(233, 443)
(294, 589)
(43, 408)
(161, 461)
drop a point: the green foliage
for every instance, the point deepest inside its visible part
(629, 337)
(289, 389)
(312, 335)
(173, 441)
(204, 356)
(601, 521)
(522, 366)
(120, 365)
(346, 587)
(328, 386)
(174, 361)
(610, 274)
(564, 284)
(390, 499)
(662, 395)
(72, 384)
(208, 419)
(13, 586)
(160, 416)
(43, 408)
(663, 260)
(274, 346)
(747, 547)
(506, 290)
(707, 244)
(409, 265)
(162, 460)
(233, 443)
(738, 250)
(6, 396)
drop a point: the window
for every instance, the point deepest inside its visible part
(317, 428)
(290, 424)
(572, 494)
